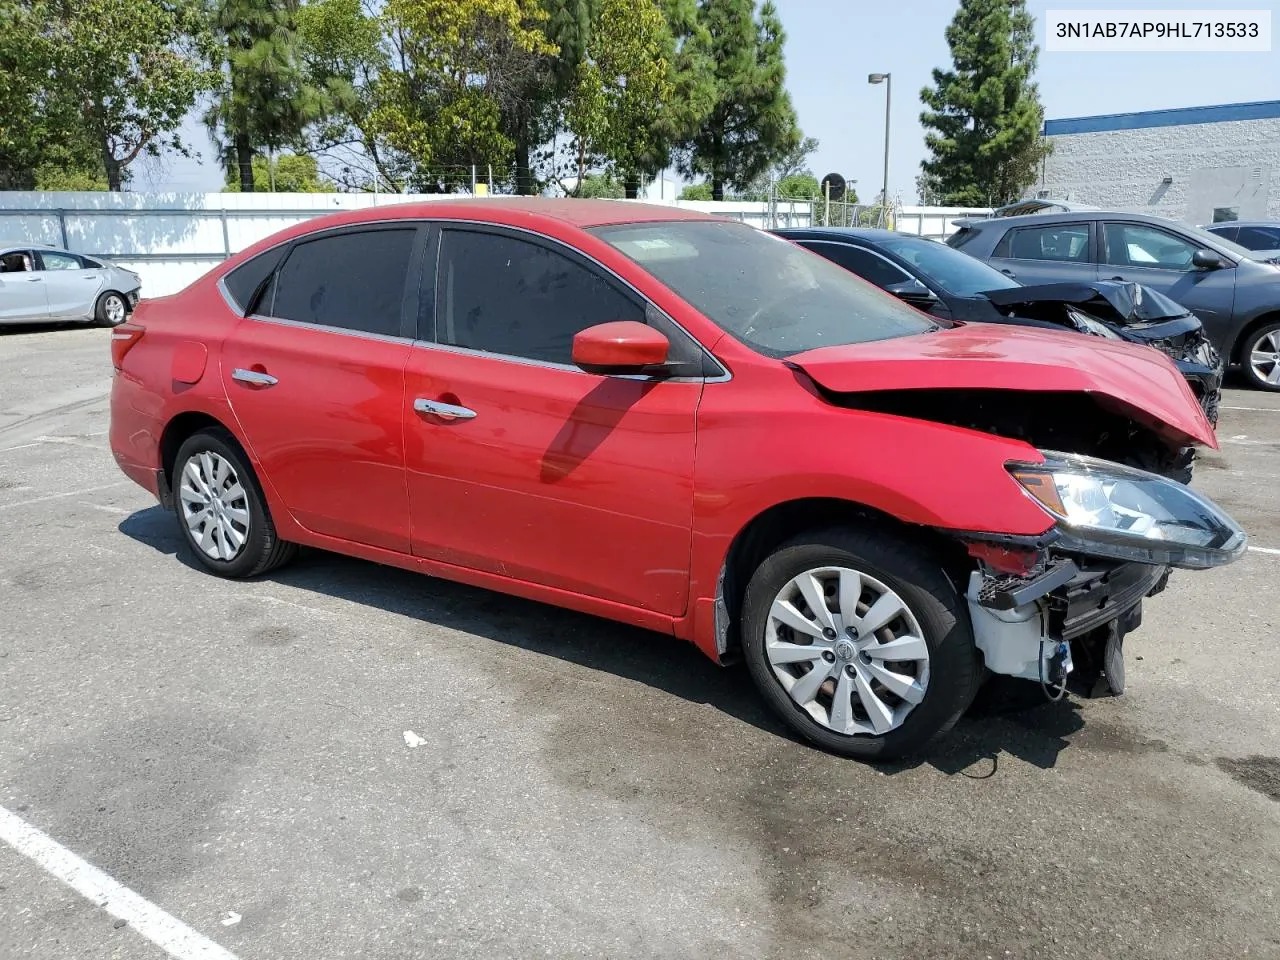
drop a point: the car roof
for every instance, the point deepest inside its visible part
(569, 210)
(1076, 217)
(844, 233)
(1241, 223)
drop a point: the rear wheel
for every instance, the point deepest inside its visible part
(221, 509)
(1261, 356)
(111, 309)
(859, 643)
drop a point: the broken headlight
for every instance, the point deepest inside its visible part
(1107, 510)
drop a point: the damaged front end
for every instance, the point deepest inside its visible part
(1041, 607)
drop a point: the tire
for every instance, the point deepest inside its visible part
(235, 538)
(949, 677)
(111, 310)
(1260, 356)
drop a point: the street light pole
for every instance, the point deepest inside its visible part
(887, 80)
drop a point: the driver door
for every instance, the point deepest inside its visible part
(22, 293)
(521, 464)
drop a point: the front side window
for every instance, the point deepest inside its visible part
(353, 281)
(505, 295)
(1137, 245)
(59, 261)
(1061, 242)
(765, 291)
(864, 263)
(16, 261)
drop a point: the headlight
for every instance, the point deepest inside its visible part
(1108, 510)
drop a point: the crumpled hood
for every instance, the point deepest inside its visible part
(1110, 300)
(1139, 381)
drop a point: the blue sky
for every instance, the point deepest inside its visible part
(833, 44)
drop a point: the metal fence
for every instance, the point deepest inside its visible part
(172, 239)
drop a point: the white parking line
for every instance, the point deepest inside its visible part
(1268, 550)
(59, 496)
(71, 441)
(167, 932)
(1254, 409)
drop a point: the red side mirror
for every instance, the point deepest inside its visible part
(624, 346)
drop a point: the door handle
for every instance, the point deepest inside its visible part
(1008, 273)
(35, 279)
(445, 411)
(254, 377)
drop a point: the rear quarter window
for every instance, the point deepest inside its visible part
(243, 282)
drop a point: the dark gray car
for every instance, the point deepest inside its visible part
(1234, 291)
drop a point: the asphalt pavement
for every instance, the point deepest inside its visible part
(344, 760)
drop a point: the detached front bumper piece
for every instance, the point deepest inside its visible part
(1019, 623)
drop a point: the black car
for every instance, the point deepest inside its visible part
(1235, 292)
(950, 284)
(1251, 234)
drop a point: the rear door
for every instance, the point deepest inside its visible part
(71, 287)
(1048, 253)
(22, 294)
(315, 375)
(537, 470)
(1161, 259)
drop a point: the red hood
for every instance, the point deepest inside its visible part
(1141, 381)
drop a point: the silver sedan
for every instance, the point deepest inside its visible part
(44, 284)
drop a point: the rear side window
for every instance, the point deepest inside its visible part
(1259, 238)
(1228, 233)
(961, 237)
(864, 263)
(505, 295)
(243, 282)
(1061, 242)
(352, 281)
(59, 261)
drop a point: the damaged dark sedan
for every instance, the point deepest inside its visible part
(949, 284)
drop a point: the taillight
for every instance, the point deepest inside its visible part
(123, 339)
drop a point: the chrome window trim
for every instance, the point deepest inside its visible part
(343, 331)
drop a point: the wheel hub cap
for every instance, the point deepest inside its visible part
(848, 650)
(1264, 358)
(214, 506)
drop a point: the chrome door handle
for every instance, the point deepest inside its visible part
(34, 279)
(445, 411)
(254, 377)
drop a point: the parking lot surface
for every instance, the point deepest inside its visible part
(239, 754)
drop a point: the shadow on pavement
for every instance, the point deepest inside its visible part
(1008, 717)
(16, 329)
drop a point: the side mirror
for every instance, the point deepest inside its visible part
(1206, 260)
(912, 291)
(625, 346)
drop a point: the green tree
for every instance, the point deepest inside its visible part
(43, 141)
(752, 125)
(285, 173)
(133, 69)
(264, 100)
(696, 191)
(623, 85)
(983, 117)
(601, 186)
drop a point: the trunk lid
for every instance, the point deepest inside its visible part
(1140, 382)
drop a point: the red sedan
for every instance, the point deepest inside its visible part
(682, 423)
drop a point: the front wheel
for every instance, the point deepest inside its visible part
(111, 309)
(859, 643)
(1261, 355)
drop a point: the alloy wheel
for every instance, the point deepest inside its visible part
(848, 650)
(1264, 358)
(113, 309)
(215, 507)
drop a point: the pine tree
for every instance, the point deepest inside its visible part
(983, 117)
(265, 101)
(753, 124)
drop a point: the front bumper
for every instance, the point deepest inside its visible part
(1019, 621)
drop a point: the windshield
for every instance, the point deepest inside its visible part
(954, 272)
(777, 298)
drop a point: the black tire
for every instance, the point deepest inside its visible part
(1251, 342)
(106, 304)
(955, 666)
(262, 549)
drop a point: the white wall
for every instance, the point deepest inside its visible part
(172, 239)
(1226, 164)
(935, 222)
